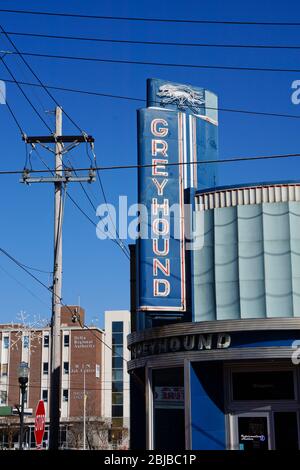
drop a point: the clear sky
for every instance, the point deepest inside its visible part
(97, 271)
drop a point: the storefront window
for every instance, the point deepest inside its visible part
(263, 385)
(168, 402)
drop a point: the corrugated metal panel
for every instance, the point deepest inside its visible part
(252, 195)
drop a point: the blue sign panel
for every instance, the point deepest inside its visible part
(161, 247)
(176, 131)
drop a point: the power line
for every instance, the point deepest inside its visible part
(154, 43)
(77, 205)
(145, 19)
(51, 290)
(117, 241)
(36, 269)
(130, 98)
(38, 79)
(94, 162)
(150, 165)
(158, 64)
(23, 285)
(83, 326)
(13, 114)
(25, 269)
(24, 94)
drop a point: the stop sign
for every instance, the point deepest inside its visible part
(39, 424)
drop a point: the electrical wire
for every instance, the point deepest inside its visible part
(94, 163)
(64, 305)
(130, 98)
(159, 64)
(12, 114)
(150, 165)
(153, 43)
(23, 285)
(38, 79)
(77, 205)
(117, 241)
(85, 327)
(145, 19)
(33, 90)
(25, 269)
(36, 269)
(24, 94)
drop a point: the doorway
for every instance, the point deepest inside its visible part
(265, 430)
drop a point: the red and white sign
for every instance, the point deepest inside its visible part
(169, 397)
(39, 424)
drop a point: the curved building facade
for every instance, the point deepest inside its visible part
(215, 304)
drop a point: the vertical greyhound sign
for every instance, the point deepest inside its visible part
(161, 249)
(176, 130)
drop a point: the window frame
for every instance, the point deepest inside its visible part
(2, 371)
(240, 405)
(43, 391)
(46, 343)
(66, 368)
(65, 396)
(25, 344)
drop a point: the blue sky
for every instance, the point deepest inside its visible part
(96, 271)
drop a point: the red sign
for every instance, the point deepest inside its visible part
(39, 424)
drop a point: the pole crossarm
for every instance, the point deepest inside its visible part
(27, 179)
(53, 139)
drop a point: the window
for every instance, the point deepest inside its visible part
(117, 411)
(46, 341)
(65, 395)
(3, 397)
(66, 341)
(117, 398)
(6, 342)
(45, 395)
(117, 362)
(117, 386)
(25, 396)
(263, 385)
(117, 338)
(97, 371)
(66, 367)
(117, 350)
(25, 342)
(45, 368)
(4, 370)
(117, 374)
(117, 327)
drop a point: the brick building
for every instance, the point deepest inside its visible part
(82, 355)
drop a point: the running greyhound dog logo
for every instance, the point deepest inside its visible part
(181, 95)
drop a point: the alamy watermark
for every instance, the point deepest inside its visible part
(159, 221)
(2, 92)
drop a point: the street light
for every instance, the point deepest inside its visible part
(23, 380)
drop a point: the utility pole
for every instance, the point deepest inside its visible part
(56, 297)
(60, 177)
(84, 409)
